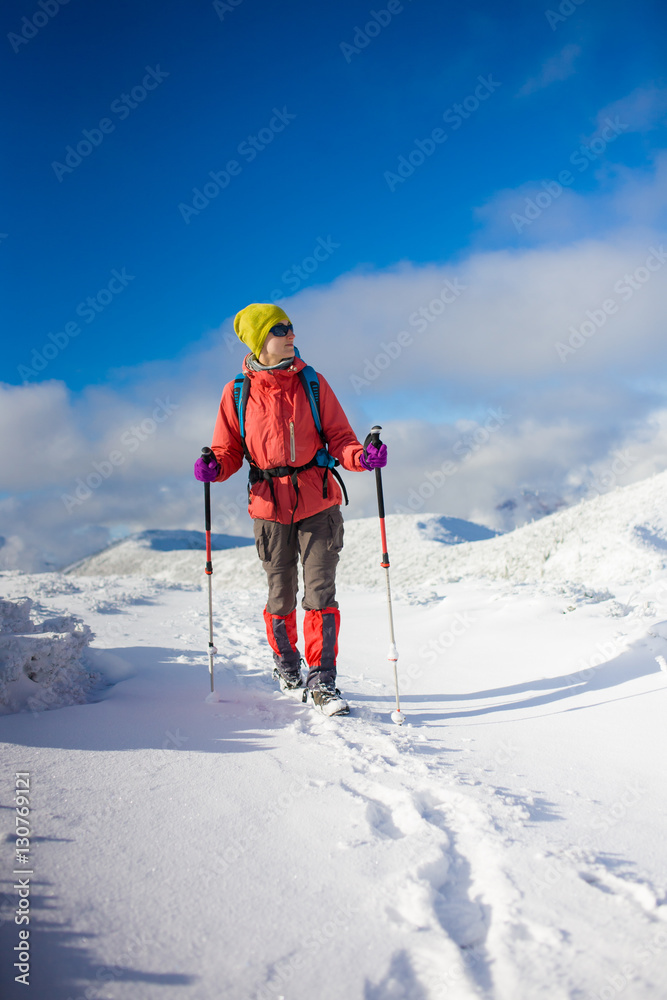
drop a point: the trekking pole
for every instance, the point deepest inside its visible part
(208, 457)
(374, 437)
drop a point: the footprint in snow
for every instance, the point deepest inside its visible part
(626, 887)
(380, 819)
(436, 880)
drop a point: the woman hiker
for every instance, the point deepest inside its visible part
(294, 498)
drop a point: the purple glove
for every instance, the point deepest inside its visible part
(375, 458)
(206, 473)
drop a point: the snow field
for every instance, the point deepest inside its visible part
(506, 843)
(619, 537)
(238, 849)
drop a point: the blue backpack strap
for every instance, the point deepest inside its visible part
(311, 384)
(241, 392)
(310, 381)
(238, 388)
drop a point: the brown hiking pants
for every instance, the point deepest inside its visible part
(317, 540)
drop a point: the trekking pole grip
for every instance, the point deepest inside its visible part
(375, 440)
(374, 437)
(208, 457)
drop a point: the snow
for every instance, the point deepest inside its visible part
(618, 537)
(506, 842)
(137, 553)
(43, 664)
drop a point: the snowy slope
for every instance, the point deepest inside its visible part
(507, 844)
(618, 537)
(150, 552)
(413, 538)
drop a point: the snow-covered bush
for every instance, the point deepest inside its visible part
(42, 662)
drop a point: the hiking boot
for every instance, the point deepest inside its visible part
(289, 680)
(328, 699)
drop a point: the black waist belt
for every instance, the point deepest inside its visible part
(256, 475)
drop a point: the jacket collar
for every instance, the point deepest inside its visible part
(297, 366)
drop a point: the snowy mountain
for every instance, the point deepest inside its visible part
(506, 843)
(169, 555)
(528, 505)
(155, 551)
(616, 537)
(143, 543)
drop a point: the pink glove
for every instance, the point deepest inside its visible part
(374, 458)
(206, 473)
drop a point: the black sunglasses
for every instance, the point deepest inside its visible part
(281, 329)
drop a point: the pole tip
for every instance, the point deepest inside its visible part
(398, 718)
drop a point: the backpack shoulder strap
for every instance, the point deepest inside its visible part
(311, 385)
(241, 392)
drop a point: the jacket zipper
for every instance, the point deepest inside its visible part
(292, 446)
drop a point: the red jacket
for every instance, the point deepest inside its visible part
(280, 431)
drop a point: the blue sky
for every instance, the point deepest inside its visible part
(322, 176)
(313, 215)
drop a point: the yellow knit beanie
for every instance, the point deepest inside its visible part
(253, 323)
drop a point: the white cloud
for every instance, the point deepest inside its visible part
(469, 470)
(628, 205)
(558, 67)
(513, 308)
(462, 337)
(642, 110)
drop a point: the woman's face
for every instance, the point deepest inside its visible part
(277, 349)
